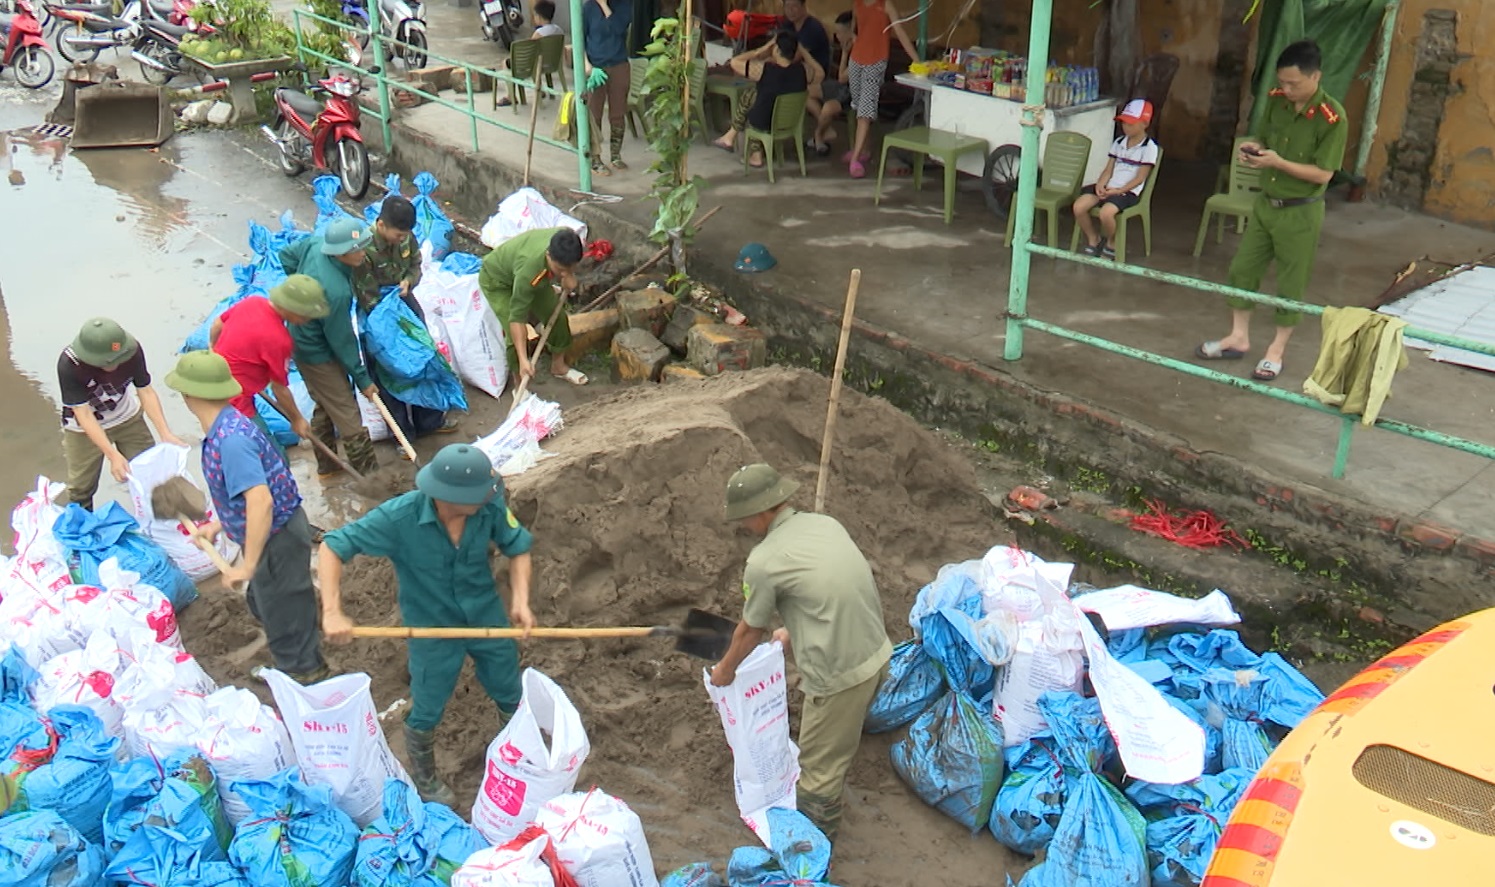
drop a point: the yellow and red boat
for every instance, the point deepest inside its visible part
(1390, 781)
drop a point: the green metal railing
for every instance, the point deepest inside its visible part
(380, 46)
(1024, 249)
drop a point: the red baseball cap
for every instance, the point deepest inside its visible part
(1136, 111)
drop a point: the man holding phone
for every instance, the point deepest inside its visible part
(1298, 147)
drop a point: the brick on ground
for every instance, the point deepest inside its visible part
(646, 309)
(638, 356)
(680, 372)
(592, 331)
(677, 332)
(434, 78)
(718, 348)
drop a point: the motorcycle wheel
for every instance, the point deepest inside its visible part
(415, 52)
(155, 76)
(289, 164)
(353, 168)
(73, 54)
(505, 35)
(34, 67)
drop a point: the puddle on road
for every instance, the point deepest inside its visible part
(147, 237)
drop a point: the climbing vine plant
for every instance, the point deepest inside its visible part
(667, 120)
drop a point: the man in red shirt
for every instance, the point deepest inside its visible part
(253, 338)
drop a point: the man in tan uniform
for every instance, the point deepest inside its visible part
(809, 571)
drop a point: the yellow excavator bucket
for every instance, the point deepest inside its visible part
(120, 114)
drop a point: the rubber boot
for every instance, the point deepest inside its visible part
(824, 813)
(315, 676)
(420, 748)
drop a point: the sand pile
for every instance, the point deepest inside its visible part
(627, 518)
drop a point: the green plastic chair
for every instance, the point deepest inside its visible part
(922, 142)
(1244, 187)
(1143, 211)
(787, 122)
(1065, 156)
(698, 98)
(522, 57)
(553, 54)
(636, 70)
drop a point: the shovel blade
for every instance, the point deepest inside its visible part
(705, 635)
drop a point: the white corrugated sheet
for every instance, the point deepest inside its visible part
(1462, 305)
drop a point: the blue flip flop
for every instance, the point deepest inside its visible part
(1213, 351)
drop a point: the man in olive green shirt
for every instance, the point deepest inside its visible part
(810, 572)
(438, 537)
(522, 279)
(1301, 142)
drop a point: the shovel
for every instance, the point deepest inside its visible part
(178, 498)
(703, 635)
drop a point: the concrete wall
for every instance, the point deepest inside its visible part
(1461, 168)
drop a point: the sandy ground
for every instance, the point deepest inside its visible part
(627, 518)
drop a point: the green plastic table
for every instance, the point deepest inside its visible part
(731, 88)
(923, 142)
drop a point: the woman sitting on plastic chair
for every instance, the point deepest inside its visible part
(778, 68)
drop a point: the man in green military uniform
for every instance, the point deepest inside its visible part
(438, 537)
(326, 350)
(810, 572)
(1301, 142)
(522, 279)
(393, 258)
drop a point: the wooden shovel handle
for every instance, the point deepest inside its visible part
(394, 428)
(404, 631)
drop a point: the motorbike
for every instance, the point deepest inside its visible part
(401, 20)
(25, 50)
(502, 20)
(323, 135)
(86, 29)
(158, 49)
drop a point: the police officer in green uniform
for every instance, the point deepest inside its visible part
(1300, 145)
(438, 537)
(522, 279)
(809, 573)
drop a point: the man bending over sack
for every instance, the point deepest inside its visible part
(438, 537)
(259, 508)
(809, 571)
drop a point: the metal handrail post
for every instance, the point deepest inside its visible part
(384, 109)
(1027, 176)
(472, 106)
(579, 111)
(923, 44)
(1342, 452)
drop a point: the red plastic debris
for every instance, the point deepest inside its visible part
(601, 250)
(1194, 529)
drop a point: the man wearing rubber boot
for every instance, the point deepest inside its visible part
(259, 507)
(439, 537)
(326, 349)
(809, 571)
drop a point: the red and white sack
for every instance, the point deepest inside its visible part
(529, 860)
(754, 711)
(37, 625)
(373, 420)
(162, 723)
(243, 739)
(599, 840)
(523, 770)
(1047, 653)
(123, 607)
(156, 670)
(338, 741)
(463, 324)
(149, 470)
(40, 563)
(83, 677)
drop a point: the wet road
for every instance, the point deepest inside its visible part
(146, 237)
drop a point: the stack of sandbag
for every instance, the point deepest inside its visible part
(514, 446)
(412, 844)
(526, 210)
(1091, 692)
(406, 359)
(110, 533)
(461, 321)
(432, 227)
(256, 277)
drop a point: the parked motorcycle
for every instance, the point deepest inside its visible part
(401, 20)
(323, 136)
(86, 29)
(502, 20)
(159, 50)
(25, 50)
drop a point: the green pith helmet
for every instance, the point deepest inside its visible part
(103, 343)
(344, 236)
(302, 296)
(203, 375)
(460, 474)
(755, 489)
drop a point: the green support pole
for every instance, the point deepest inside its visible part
(1342, 452)
(472, 107)
(583, 117)
(1377, 88)
(923, 44)
(1027, 176)
(384, 110)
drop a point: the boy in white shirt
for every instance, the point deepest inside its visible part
(1132, 159)
(542, 16)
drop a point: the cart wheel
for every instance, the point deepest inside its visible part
(999, 181)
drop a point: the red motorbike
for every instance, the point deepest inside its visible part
(25, 50)
(323, 136)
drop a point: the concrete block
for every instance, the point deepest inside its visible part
(638, 356)
(434, 78)
(592, 331)
(220, 113)
(196, 113)
(679, 372)
(718, 348)
(646, 309)
(677, 332)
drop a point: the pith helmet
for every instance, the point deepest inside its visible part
(460, 474)
(755, 489)
(301, 295)
(204, 375)
(103, 343)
